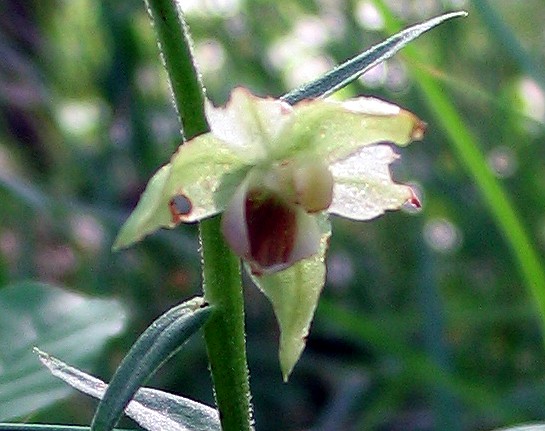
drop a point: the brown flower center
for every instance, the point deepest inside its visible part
(272, 228)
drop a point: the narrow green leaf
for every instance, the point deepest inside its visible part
(157, 344)
(529, 427)
(46, 427)
(36, 314)
(294, 295)
(152, 409)
(350, 70)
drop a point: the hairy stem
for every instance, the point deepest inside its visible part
(224, 332)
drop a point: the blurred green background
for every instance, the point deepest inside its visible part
(425, 323)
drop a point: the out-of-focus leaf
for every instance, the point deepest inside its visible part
(294, 295)
(159, 342)
(152, 409)
(350, 70)
(35, 314)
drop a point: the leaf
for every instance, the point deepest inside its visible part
(294, 295)
(350, 70)
(333, 130)
(197, 183)
(363, 187)
(152, 409)
(158, 343)
(44, 427)
(528, 427)
(36, 314)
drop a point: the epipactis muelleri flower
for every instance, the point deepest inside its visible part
(275, 171)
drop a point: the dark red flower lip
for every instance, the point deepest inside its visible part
(272, 229)
(268, 232)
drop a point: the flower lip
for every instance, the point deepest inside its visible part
(272, 228)
(268, 230)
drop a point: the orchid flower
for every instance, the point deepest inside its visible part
(275, 171)
(276, 168)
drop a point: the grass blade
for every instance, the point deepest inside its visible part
(467, 147)
(505, 38)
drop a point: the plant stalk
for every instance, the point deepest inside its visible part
(224, 332)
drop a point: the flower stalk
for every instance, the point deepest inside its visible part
(224, 332)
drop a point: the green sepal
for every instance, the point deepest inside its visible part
(203, 174)
(150, 214)
(332, 130)
(294, 294)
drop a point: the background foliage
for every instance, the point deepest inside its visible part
(424, 323)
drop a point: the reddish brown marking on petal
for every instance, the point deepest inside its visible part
(272, 228)
(180, 207)
(418, 131)
(414, 201)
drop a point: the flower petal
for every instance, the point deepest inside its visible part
(233, 222)
(333, 130)
(198, 182)
(247, 123)
(294, 295)
(363, 187)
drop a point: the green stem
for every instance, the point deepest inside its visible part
(224, 332)
(175, 44)
(466, 145)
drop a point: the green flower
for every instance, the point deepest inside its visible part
(275, 171)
